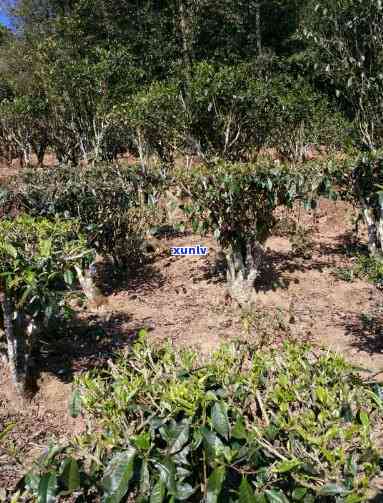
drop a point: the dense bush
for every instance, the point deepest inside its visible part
(345, 46)
(229, 112)
(235, 111)
(37, 258)
(237, 204)
(154, 121)
(242, 426)
(24, 128)
(300, 117)
(113, 205)
(359, 180)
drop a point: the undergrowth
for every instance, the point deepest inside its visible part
(242, 425)
(365, 267)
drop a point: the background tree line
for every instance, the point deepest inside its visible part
(88, 79)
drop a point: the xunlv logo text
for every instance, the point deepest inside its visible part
(190, 250)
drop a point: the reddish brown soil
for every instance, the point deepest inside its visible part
(183, 299)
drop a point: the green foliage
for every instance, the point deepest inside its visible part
(360, 181)
(370, 268)
(237, 202)
(300, 116)
(154, 120)
(227, 110)
(291, 424)
(347, 50)
(364, 267)
(367, 178)
(37, 259)
(113, 205)
(23, 125)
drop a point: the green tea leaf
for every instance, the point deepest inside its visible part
(167, 470)
(45, 247)
(117, 476)
(239, 431)
(184, 491)
(299, 493)
(364, 419)
(142, 441)
(47, 488)
(275, 496)
(332, 490)
(176, 435)
(214, 445)
(75, 403)
(321, 394)
(69, 277)
(286, 466)
(214, 484)
(9, 249)
(220, 419)
(70, 475)
(158, 492)
(246, 492)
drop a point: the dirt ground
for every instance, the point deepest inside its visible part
(183, 298)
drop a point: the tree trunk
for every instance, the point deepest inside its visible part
(90, 289)
(258, 33)
(185, 23)
(16, 344)
(375, 231)
(41, 154)
(242, 271)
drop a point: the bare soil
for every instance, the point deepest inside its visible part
(184, 299)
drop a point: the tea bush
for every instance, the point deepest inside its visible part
(245, 425)
(38, 258)
(114, 205)
(237, 203)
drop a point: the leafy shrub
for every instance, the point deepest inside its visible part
(230, 113)
(237, 203)
(360, 181)
(234, 111)
(155, 121)
(113, 205)
(300, 117)
(37, 258)
(365, 267)
(302, 243)
(344, 273)
(275, 425)
(23, 127)
(227, 111)
(334, 33)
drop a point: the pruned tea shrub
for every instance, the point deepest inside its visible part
(114, 205)
(244, 425)
(38, 258)
(237, 203)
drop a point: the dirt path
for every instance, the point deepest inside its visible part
(183, 298)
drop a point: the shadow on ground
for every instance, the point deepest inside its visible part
(141, 276)
(84, 344)
(367, 331)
